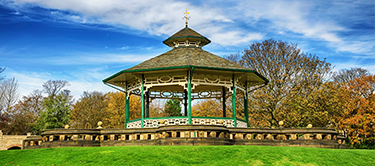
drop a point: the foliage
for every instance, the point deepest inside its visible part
(208, 108)
(358, 119)
(89, 110)
(55, 113)
(116, 110)
(293, 76)
(135, 107)
(173, 107)
(187, 155)
(25, 113)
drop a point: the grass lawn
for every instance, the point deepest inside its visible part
(188, 155)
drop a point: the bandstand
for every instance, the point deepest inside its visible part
(187, 72)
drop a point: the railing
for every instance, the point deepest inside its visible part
(187, 135)
(183, 120)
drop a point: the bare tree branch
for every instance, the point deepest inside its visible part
(54, 87)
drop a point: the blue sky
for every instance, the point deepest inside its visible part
(86, 41)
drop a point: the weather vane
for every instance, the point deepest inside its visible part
(186, 17)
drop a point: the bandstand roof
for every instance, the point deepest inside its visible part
(185, 57)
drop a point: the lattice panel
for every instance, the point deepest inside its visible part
(167, 94)
(164, 80)
(220, 122)
(207, 94)
(205, 79)
(241, 86)
(133, 86)
(241, 124)
(152, 123)
(136, 124)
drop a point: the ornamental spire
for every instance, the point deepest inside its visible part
(186, 17)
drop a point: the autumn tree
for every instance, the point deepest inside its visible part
(293, 74)
(207, 108)
(173, 107)
(24, 114)
(116, 110)
(358, 119)
(89, 110)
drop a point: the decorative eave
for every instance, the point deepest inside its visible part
(248, 75)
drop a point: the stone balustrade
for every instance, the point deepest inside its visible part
(187, 135)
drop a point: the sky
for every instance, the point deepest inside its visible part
(87, 41)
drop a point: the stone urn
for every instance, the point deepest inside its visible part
(100, 125)
(281, 123)
(309, 126)
(66, 126)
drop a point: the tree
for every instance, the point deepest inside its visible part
(8, 94)
(291, 73)
(25, 113)
(116, 110)
(358, 119)
(345, 75)
(208, 108)
(89, 110)
(173, 107)
(55, 113)
(54, 87)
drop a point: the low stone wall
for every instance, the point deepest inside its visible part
(186, 135)
(9, 141)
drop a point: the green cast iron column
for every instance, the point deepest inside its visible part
(189, 95)
(224, 105)
(246, 106)
(147, 104)
(126, 109)
(234, 103)
(142, 100)
(185, 102)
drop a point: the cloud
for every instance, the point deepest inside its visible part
(87, 80)
(234, 24)
(234, 38)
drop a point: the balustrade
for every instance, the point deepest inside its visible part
(202, 134)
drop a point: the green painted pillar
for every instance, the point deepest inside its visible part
(126, 109)
(224, 105)
(246, 107)
(147, 104)
(142, 100)
(185, 102)
(189, 96)
(234, 102)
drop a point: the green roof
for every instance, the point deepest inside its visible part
(187, 56)
(186, 34)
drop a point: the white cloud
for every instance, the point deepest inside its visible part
(234, 38)
(313, 20)
(80, 81)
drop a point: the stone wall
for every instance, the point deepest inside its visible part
(187, 135)
(8, 141)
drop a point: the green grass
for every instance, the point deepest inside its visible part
(188, 155)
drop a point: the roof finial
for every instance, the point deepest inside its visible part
(186, 17)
